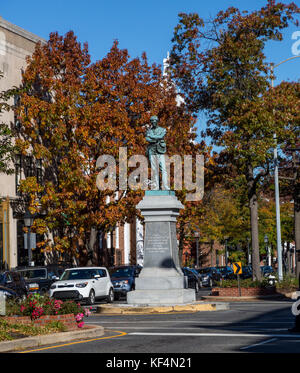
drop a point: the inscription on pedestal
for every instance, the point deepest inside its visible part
(158, 252)
(157, 243)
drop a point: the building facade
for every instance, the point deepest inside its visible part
(15, 45)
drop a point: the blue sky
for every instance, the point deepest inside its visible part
(140, 26)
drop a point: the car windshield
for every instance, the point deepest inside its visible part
(123, 272)
(79, 274)
(34, 273)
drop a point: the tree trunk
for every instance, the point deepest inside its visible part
(289, 258)
(253, 205)
(92, 253)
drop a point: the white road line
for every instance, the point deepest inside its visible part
(197, 322)
(259, 344)
(192, 328)
(216, 335)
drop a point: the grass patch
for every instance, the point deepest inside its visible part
(9, 331)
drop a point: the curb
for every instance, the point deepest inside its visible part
(125, 309)
(92, 331)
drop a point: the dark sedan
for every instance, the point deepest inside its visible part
(8, 293)
(226, 272)
(39, 279)
(246, 272)
(267, 270)
(192, 278)
(15, 281)
(209, 276)
(123, 279)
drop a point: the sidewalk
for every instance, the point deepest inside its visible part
(88, 332)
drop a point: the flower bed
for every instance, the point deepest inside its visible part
(40, 310)
(234, 291)
(68, 320)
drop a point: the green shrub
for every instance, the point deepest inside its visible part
(288, 282)
(245, 283)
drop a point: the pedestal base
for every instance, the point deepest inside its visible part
(161, 281)
(163, 297)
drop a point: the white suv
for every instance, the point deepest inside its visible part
(83, 284)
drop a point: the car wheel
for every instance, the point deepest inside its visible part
(110, 297)
(91, 298)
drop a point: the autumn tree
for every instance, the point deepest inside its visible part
(72, 112)
(287, 96)
(221, 67)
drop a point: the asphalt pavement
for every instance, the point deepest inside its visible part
(246, 327)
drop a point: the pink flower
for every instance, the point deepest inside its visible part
(79, 317)
(80, 325)
(87, 312)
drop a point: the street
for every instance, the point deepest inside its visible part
(247, 327)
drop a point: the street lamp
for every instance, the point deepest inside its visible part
(197, 235)
(277, 203)
(28, 221)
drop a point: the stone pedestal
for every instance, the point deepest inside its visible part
(161, 281)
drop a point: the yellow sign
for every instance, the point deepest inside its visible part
(237, 268)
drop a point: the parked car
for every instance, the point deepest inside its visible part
(267, 270)
(226, 272)
(192, 279)
(15, 281)
(39, 279)
(209, 276)
(195, 271)
(84, 284)
(246, 272)
(123, 279)
(8, 292)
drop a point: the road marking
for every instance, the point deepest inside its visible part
(211, 323)
(216, 335)
(259, 344)
(73, 343)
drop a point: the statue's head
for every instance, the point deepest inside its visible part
(154, 120)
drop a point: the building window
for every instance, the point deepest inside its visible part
(28, 166)
(39, 171)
